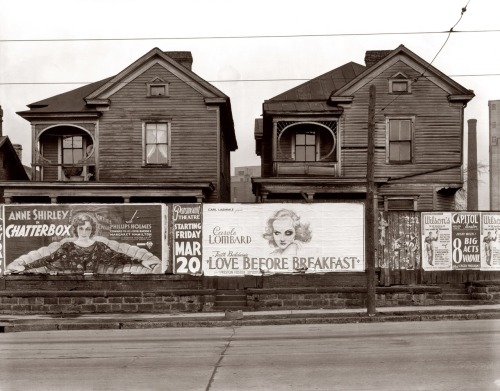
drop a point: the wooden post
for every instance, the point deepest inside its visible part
(369, 207)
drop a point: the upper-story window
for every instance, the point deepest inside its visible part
(72, 149)
(157, 88)
(306, 146)
(399, 140)
(156, 143)
(306, 141)
(399, 84)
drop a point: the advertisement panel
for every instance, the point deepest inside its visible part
(451, 240)
(255, 239)
(85, 238)
(436, 240)
(490, 249)
(465, 240)
(187, 238)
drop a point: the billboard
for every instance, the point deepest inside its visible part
(85, 238)
(460, 241)
(255, 239)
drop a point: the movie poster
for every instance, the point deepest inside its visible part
(258, 239)
(436, 241)
(186, 238)
(465, 240)
(85, 238)
(490, 246)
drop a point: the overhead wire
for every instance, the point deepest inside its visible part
(416, 79)
(37, 40)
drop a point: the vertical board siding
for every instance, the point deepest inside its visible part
(395, 260)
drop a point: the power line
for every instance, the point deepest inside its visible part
(415, 80)
(244, 36)
(226, 80)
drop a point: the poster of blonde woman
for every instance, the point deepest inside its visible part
(76, 239)
(256, 239)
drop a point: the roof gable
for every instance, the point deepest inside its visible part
(405, 55)
(153, 57)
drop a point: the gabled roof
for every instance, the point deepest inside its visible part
(154, 56)
(312, 96)
(402, 53)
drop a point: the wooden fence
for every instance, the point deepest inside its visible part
(399, 251)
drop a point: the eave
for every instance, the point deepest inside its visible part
(312, 184)
(57, 116)
(105, 189)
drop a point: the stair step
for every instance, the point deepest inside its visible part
(454, 291)
(459, 302)
(452, 286)
(456, 296)
(231, 298)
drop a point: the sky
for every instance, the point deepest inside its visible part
(251, 51)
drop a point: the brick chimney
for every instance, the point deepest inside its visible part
(19, 150)
(374, 56)
(183, 58)
(472, 187)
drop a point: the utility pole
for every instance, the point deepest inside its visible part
(370, 208)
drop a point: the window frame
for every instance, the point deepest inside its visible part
(305, 145)
(388, 199)
(157, 82)
(389, 142)
(400, 78)
(145, 144)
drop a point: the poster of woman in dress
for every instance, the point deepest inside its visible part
(104, 239)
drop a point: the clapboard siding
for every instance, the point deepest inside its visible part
(437, 146)
(193, 146)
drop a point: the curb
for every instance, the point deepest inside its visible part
(221, 320)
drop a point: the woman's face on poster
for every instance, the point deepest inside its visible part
(283, 232)
(84, 231)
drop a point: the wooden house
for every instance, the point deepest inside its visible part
(155, 132)
(312, 139)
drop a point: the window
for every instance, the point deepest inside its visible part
(392, 203)
(156, 143)
(305, 146)
(493, 124)
(157, 88)
(399, 84)
(72, 153)
(72, 149)
(400, 140)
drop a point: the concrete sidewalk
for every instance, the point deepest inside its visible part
(17, 323)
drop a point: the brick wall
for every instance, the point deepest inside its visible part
(81, 302)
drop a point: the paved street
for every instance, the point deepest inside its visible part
(445, 355)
